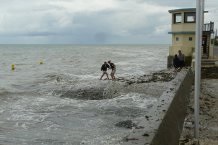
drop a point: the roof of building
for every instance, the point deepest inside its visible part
(182, 32)
(184, 9)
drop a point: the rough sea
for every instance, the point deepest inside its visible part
(33, 110)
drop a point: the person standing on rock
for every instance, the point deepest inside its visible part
(104, 68)
(181, 57)
(113, 69)
(176, 62)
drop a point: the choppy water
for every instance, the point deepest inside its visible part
(31, 113)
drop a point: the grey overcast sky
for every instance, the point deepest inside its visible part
(91, 21)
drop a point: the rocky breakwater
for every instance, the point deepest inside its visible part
(151, 84)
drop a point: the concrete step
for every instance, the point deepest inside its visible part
(209, 62)
(209, 59)
(208, 66)
(204, 57)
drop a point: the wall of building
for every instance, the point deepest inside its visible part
(182, 42)
(182, 27)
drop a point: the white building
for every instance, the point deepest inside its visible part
(183, 35)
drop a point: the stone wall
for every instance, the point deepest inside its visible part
(164, 122)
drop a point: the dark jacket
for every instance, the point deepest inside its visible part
(176, 62)
(104, 67)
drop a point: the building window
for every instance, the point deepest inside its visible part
(177, 38)
(190, 38)
(177, 18)
(189, 17)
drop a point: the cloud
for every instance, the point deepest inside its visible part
(85, 21)
(172, 3)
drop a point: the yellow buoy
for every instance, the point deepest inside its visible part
(12, 67)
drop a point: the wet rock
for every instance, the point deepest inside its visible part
(126, 124)
(145, 134)
(162, 76)
(127, 139)
(84, 94)
(99, 90)
(122, 111)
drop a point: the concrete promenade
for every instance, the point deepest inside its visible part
(208, 132)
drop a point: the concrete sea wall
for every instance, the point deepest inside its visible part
(164, 122)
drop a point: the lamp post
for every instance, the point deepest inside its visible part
(198, 44)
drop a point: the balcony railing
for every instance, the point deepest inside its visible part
(208, 27)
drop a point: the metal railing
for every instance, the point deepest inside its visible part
(208, 27)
